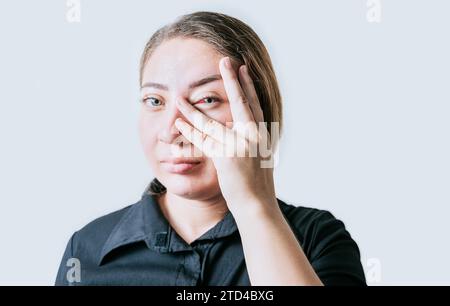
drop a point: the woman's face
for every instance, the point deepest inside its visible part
(187, 69)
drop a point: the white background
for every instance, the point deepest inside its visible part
(366, 123)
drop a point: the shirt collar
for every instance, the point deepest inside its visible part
(144, 221)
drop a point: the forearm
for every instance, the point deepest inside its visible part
(272, 253)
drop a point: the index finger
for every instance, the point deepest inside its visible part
(239, 105)
(202, 122)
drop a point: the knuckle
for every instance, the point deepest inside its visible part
(210, 126)
(209, 145)
(241, 99)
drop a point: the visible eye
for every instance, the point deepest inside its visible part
(152, 101)
(207, 100)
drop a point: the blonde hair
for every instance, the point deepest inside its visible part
(233, 38)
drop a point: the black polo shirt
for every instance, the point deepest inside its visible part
(137, 246)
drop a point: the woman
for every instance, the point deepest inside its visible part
(211, 216)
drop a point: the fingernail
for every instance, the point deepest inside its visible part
(227, 63)
(244, 69)
(178, 121)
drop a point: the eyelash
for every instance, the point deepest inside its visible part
(143, 100)
(207, 97)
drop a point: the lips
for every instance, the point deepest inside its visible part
(180, 165)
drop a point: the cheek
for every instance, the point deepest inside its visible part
(147, 133)
(206, 179)
(221, 114)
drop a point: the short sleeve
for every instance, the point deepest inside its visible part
(335, 256)
(61, 277)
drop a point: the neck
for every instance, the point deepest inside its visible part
(192, 218)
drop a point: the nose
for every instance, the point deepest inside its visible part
(168, 133)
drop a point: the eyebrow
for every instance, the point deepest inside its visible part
(203, 81)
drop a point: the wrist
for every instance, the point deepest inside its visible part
(252, 209)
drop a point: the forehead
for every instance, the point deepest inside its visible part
(178, 62)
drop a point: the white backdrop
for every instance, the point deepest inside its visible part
(366, 122)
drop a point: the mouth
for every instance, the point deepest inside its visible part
(180, 165)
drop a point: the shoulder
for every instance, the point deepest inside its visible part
(88, 241)
(86, 244)
(105, 223)
(305, 219)
(313, 226)
(331, 250)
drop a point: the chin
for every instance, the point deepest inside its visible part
(190, 186)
